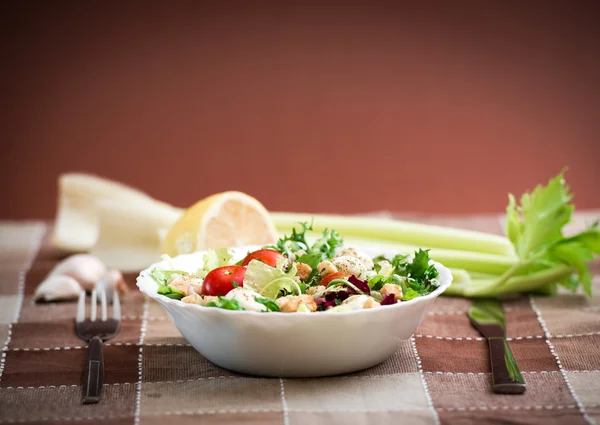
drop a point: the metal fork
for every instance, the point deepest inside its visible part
(95, 331)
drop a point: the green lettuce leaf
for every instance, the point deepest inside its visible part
(270, 282)
(303, 308)
(377, 282)
(212, 259)
(385, 270)
(167, 291)
(279, 287)
(162, 276)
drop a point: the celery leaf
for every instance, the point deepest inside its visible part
(535, 228)
(539, 220)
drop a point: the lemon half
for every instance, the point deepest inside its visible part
(221, 220)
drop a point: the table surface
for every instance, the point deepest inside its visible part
(440, 375)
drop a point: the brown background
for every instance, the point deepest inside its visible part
(441, 107)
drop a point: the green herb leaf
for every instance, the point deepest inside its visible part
(312, 260)
(420, 269)
(270, 304)
(225, 303)
(415, 277)
(409, 294)
(327, 244)
(295, 241)
(302, 287)
(398, 262)
(323, 248)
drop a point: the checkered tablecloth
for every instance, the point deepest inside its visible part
(153, 376)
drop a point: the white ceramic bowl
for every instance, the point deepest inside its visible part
(292, 344)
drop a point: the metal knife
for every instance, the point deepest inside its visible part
(487, 316)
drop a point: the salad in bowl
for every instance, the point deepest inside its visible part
(260, 309)
(295, 276)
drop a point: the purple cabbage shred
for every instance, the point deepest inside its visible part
(329, 300)
(389, 300)
(363, 285)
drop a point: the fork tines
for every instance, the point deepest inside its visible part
(99, 292)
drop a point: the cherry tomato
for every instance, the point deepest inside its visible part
(337, 275)
(267, 256)
(220, 280)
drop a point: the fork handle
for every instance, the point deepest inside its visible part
(94, 372)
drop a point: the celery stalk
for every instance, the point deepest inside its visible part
(482, 276)
(547, 290)
(457, 289)
(517, 284)
(490, 264)
(465, 282)
(473, 261)
(460, 276)
(423, 235)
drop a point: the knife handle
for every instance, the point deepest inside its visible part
(506, 377)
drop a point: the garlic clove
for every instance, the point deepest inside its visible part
(77, 272)
(112, 280)
(84, 268)
(116, 281)
(56, 288)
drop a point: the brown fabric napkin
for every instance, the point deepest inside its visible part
(153, 376)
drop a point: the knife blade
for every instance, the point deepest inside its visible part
(487, 316)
